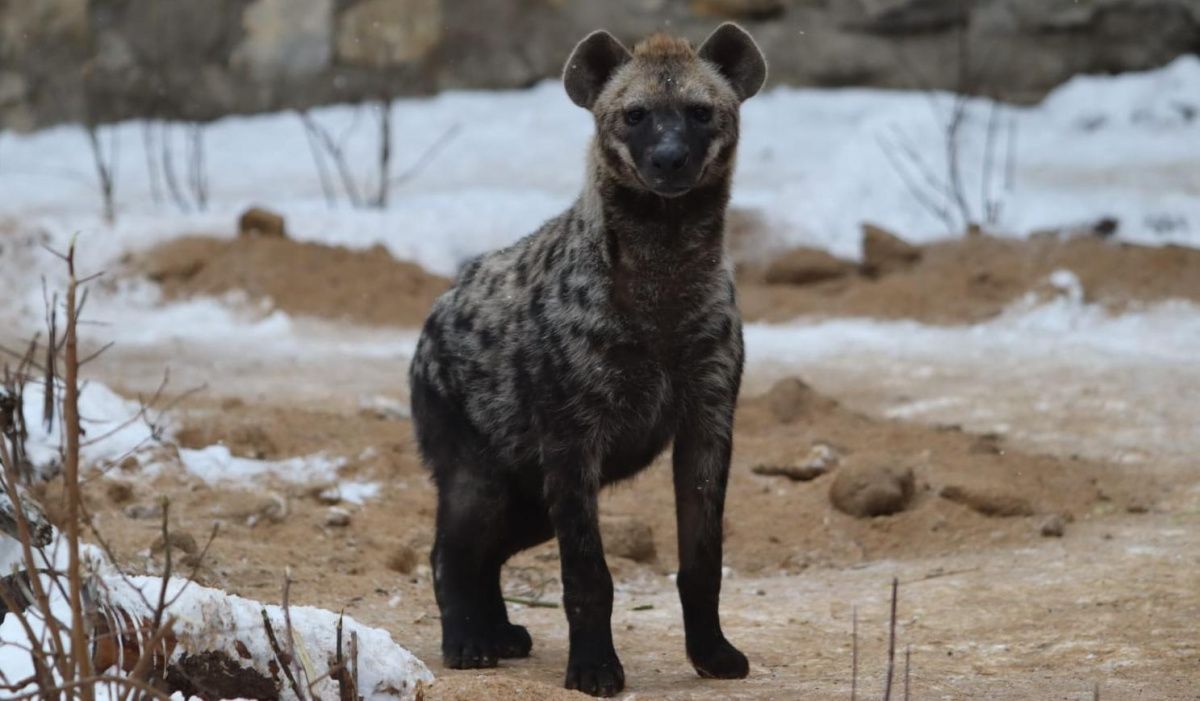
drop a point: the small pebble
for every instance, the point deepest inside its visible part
(337, 518)
(1054, 526)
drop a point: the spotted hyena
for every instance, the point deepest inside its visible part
(572, 358)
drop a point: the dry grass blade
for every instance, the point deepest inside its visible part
(891, 665)
(285, 662)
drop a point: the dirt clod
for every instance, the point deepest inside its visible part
(872, 490)
(1053, 526)
(804, 266)
(257, 221)
(988, 502)
(791, 398)
(628, 537)
(885, 252)
(403, 560)
(119, 492)
(183, 542)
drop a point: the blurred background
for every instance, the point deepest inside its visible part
(100, 60)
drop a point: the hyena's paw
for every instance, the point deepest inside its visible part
(595, 674)
(513, 641)
(471, 648)
(719, 660)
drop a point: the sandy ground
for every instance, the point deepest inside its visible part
(989, 607)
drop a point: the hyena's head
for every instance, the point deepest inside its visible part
(666, 114)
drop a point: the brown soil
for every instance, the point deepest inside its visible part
(974, 278)
(311, 279)
(775, 527)
(964, 280)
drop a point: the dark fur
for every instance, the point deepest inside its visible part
(571, 359)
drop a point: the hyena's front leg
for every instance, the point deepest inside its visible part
(572, 486)
(703, 446)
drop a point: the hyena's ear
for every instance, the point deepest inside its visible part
(733, 51)
(592, 63)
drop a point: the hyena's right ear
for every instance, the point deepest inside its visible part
(592, 63)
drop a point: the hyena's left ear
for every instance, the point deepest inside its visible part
(733, 51)
(592, 63)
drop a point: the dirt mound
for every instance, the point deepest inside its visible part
(309, 279)
(974, 278)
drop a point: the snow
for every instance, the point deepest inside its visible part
(215, 464)
(211, 620)
(111, 425)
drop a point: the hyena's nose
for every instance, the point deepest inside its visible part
(669, 157)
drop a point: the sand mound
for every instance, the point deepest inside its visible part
(309, 279)
(974, 278)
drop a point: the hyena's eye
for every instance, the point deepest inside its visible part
(634, 116)
(701, 113)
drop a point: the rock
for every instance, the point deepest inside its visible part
(988, 502)
(285, 39)
(403, 560)
(872, 490)
(140, 512)
(183, 542)
(907, 16)
(988, 444)
(327, 495)
(755, 10)
(791, 398)
(337, 517)
(385, 33)
(885, 252)
(805, 266)
(820, 459)
(257, 221)
(119, 492)
(1053, 526)
(625, 536)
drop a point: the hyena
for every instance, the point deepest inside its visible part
(571, 359)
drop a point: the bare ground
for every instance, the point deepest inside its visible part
(990, 607)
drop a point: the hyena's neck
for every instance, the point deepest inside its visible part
(684, 234)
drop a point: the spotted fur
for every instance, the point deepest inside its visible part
(572, 358)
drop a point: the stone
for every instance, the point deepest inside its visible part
(337, 517)
(628, 537)
(805, 266)
(988, 502)
(257, 221)
(866, 491)
(757, 10)
(1053, 526)
(285, 39)
(140, 512)
(821, 458)
(885, 252)
(385, 33)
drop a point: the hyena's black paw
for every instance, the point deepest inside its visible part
(513, 641)
(596, 674)
(470, 650)
(719, 660)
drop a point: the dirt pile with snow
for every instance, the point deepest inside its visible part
(972, 279)
(308, 279)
